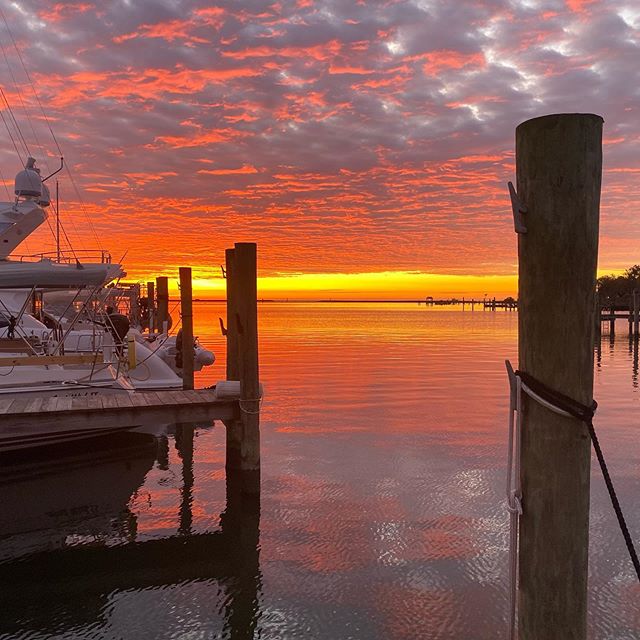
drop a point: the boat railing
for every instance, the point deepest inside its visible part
(67, 257)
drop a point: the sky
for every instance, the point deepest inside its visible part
(364, 145)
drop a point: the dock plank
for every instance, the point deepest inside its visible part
(36, 405)
(172, 397)
(63, 404)
(123, 400)
(109, 401)
(115, 410)
(94, 402)
(138, 400)
(154, 398)
(6, 404)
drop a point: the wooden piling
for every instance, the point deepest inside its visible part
(151, 301)
(636, 312)
(186, 311)
(559, 166)
(233, 366)
(245, 278)
(234, 427)
(162, 295)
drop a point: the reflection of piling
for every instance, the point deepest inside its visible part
(184, 445)
(162, 295)
(240, 522)
(243, 435)
(186, 311)
(612, 322)
(559, 165)
(163, 453)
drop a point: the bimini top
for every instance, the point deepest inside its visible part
(49, 274)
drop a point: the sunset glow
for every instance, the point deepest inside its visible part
(365, 146)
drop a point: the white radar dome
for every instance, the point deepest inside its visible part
(28, 181)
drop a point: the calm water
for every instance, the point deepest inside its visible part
(382, 511)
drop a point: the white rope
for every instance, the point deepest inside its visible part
(514, 488)
(514, 492)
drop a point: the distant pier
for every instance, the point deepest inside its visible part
(608, 312)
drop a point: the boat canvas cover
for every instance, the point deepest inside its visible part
(47, 273)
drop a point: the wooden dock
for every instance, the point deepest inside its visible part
(609, 313)
(37, 421)
(117, 409)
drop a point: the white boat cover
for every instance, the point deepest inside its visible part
(46, 273)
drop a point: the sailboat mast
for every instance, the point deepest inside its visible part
(58, 220)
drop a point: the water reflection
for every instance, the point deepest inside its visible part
(67, 531)
(62, 496)
(382, 512)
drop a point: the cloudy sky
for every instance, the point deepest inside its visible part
(344, 136)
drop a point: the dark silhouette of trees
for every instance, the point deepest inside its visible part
(618, 290)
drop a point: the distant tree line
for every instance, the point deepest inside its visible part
(618, 290)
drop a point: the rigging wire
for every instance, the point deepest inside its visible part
(53, 135)
(15, 146)
(25, 107)
(15, 122)
(6, 188)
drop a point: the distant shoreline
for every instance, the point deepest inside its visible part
(435, 303)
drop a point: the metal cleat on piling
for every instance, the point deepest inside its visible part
(518, 210)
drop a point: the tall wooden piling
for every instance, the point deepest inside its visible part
(559, 166)
(233, 367)
(245, 279)
(243, 435)
(186, 311)
(234, 427)
(162, 296)
(636, 312)
(151, 302)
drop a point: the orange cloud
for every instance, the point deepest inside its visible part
(63, 10)
(169, 31)
(244, 169)
(437, 61)
(579, 6)
(133, 83)
(318, 52)
(199, 139)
